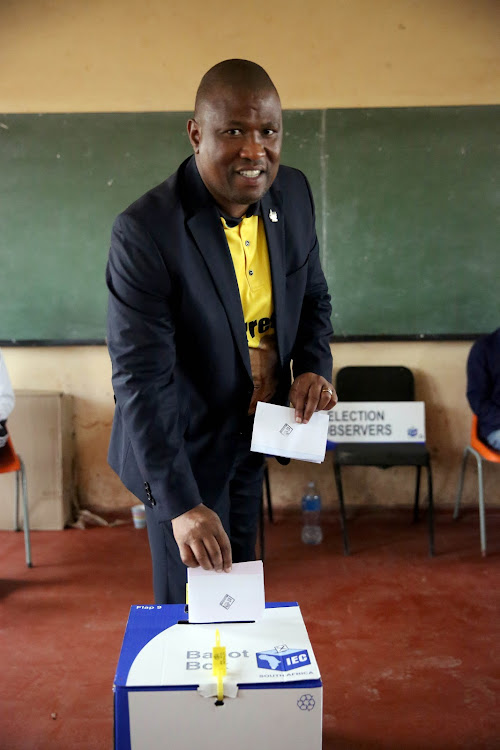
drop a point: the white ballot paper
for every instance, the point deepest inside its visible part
(237, 596)
(276, 433)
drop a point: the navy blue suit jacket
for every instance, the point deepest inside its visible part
(176, 333)
(483, 382)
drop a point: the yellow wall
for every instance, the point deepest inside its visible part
(101, 55)
(66, 55)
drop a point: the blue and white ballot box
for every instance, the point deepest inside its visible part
(166, 694)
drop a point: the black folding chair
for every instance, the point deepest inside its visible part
(380, 383)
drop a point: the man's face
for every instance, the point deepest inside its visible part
(237, 143)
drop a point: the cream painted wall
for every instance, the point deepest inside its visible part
(101, 55)
(104, 55)
(439, 369)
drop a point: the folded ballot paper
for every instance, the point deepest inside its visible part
(276, 433)
(237, 596)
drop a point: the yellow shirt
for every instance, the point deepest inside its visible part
(248, 246)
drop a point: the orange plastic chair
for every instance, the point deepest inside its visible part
(12, 461)
(481, 452)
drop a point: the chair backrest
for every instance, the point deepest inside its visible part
(375, 383)
(484, 450)
(9, 460)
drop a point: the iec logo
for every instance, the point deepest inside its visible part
(306, 702)
(282, 661)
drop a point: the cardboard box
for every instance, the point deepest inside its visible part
(41, 430)
(165, 693)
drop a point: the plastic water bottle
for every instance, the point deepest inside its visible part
(311, 511)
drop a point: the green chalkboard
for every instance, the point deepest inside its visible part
(413, 220)
(63, 180)
(407, 214)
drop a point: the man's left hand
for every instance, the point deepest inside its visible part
(310, 393)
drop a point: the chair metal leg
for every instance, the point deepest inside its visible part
(480, 481)
(268, 494)
(482, 521)
(27, 538)
(461, 484)
(17, 527)
(343, 522)
(417, 496)
(430, 510)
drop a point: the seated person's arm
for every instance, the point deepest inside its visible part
(480, 386)
(7, 399)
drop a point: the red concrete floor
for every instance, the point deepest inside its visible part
(407, 645)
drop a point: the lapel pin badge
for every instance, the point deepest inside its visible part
(273, 215)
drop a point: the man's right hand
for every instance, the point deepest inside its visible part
(202, 540)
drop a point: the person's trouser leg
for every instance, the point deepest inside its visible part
(245, 493)
(169, 572)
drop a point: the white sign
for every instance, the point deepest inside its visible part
(377, 422)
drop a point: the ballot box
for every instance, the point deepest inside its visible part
(166, 696)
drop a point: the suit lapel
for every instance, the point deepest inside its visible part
(208, 233)
(203, 221)
(274, 223)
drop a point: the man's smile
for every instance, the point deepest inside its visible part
(250, 174)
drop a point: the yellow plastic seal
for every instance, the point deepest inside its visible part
(219, 665)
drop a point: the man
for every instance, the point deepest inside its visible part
(6, 400)
(215, 288)
(483, 386)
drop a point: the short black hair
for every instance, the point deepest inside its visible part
(238, 74)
